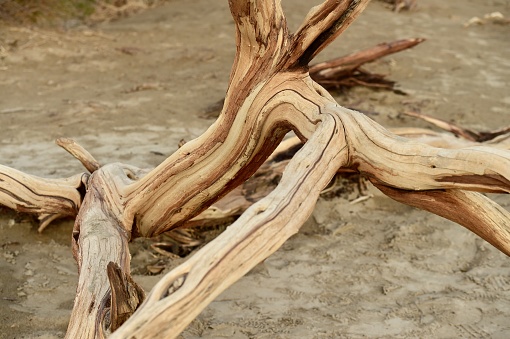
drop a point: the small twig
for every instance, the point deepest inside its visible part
(15, 110)
(79, 153)
(361, 199)
(465, 133)
(45, 220)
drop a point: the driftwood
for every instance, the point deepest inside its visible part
(465, 133)
(267, 177)
(346, 71)
(270, 93)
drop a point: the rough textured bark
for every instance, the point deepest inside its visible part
(270, 93)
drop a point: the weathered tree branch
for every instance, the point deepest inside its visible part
(49, 199)
(465, 133)
(321, 26)
(268, 175)
(270, 93)
(227, 158)
(342, 71)
(405, 164)
(182, 294)
(79, 153)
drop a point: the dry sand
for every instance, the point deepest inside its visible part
(130, 90)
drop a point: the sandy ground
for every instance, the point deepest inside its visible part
(130, 90)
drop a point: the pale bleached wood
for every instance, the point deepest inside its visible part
(238, 200)
(406, 164)
(233, 147)
(262, 103)
(48, 198)
(99, 238)
(220, 159)
(182, 294)
(80, 153)
(190, 291)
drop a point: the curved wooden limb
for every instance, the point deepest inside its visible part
(46, 219)
(261, 20)
(266, 96)
(405, 164)
(205, 169)
(80, 153)
(48, 198)
(261, 39)
(261, 183)
(472, 210)
(183, 293)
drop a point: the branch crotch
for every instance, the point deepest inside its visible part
(100, 240)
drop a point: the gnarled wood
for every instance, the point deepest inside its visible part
(100, 238)
(270, 93)
(267, 176)
(405, 164)
(79, 153)
(47, 198)
(182, 294)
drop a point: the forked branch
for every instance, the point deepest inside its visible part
(182, 294)
(321, 26)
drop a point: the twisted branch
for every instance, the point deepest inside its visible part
(270, 93)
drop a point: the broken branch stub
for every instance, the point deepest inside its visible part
(345, 71)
